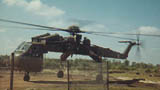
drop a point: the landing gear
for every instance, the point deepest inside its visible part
(26, 77)
(60, 74)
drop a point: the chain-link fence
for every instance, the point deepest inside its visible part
(70, 75)
(87, 75)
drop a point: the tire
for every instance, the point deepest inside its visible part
(26, 78)
(60, 74)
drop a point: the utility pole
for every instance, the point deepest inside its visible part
(12, 71)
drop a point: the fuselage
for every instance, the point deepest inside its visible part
(29, 55)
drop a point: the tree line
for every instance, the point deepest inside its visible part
(85, 64)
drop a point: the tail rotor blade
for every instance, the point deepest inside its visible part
(138, 51)
(142, 44)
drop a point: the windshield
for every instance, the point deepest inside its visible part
(24, 46)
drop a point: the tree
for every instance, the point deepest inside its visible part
(126, 63)
(133, 64)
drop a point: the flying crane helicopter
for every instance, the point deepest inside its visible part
(29, 55)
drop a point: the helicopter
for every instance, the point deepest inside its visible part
(29, 55)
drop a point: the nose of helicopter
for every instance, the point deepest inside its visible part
(17, 54)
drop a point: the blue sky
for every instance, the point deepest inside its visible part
(93, 15)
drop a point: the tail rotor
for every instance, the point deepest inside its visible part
(138, 50)
(140, 45)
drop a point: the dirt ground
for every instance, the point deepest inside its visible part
(49, 81)
(41, 80)
(37, 80)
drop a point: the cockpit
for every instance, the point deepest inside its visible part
(24, 46)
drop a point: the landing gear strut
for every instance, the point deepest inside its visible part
(60, 73)
(26, 77)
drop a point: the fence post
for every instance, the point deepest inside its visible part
(107, 75)
(12, 71)
(68, 74)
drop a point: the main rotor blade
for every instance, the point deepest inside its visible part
(16, 27)
(67, 30)
(134, 34)
(111, 36)
(35, 25)
(46, 27)
(90, 32)
(153, 35)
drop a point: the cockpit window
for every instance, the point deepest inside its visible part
(24, 46)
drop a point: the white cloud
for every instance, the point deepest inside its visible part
(2, 30)
(10, 2)
(96, 27)
(36, 7)
(39, 8)
(148, 30)
(61, 23)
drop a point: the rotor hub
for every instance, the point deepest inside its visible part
(74, 29)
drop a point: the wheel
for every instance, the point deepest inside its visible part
(60, 74)
(26, 78)
(99, 78)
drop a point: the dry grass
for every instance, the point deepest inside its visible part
(47, 80)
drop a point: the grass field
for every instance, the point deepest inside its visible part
(81, 80)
